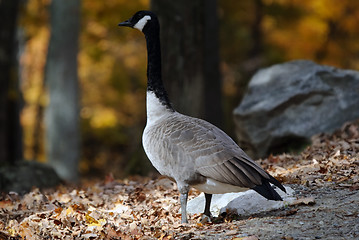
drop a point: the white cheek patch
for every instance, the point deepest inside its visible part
(140, 24)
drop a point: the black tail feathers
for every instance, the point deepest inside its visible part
(267, 191)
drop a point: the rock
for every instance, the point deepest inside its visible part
(242, 203)
(25, 175)
(286, 104)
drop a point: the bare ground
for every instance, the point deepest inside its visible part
(335, 215)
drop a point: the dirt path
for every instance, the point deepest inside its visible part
(335, 215)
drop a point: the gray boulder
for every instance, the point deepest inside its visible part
(25, 175)
(286, 104)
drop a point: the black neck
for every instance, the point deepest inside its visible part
(154, 75)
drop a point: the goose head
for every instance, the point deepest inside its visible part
(145, 21)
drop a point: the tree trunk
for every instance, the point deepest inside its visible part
(10, 130)
(256, 30)
(62, 113)
(212, 78)
(189, 38)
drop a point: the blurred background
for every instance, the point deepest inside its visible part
(88, 115)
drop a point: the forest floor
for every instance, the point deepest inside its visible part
(326, 173)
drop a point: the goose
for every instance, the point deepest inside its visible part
(190, 151)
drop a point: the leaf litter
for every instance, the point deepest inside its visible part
(145, 208)
(330, 159)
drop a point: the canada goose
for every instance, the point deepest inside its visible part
(191, 151)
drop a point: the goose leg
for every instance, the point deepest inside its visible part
(207, 216)
(207, 207)
(183, 189)
(183, 199)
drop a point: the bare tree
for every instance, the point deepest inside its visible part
(189, 38)
(62, 113)
(10, 130)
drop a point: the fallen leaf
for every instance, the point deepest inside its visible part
(246, 238)
(303, 201)
(231, 232)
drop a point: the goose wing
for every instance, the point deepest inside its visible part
(216, 155)
(227, 162)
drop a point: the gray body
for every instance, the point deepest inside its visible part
(194, 152)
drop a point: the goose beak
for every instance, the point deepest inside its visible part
(126, 23)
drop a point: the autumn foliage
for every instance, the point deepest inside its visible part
(112, 66)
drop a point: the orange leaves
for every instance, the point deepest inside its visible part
(331, 159)
(141, 209)
(127, 210)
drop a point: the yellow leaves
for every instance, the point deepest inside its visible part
(11, 231)
(328, 9)
(313, 28)
(90, 221)
(103, 118)
(164, 236)
(246, 238)
(300, 40)
(69, 211)
(325, 30)
(32, 65)
(105, 59)
(96, 29)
